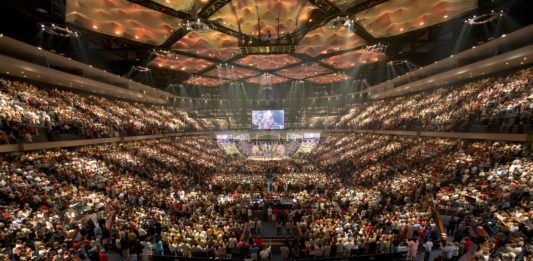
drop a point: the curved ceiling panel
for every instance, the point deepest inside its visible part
(181, 63)
(329, 78)
(300, 72)
(268, 61)
(231, 72)
(243, 15)
(121, 18)
(182, 5)
(396, 17)
(267, 79)
(325, 40)
(345, 4)
(211, 44)
(353, 58)
(205, 81)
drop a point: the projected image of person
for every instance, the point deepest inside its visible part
(267, 122)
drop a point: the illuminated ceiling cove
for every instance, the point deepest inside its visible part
(267, 79)
(325, 40)
(243, 16)
(182, 5)
(268, 62)
(212, 44)
(396, 17)
(205, 81)
(302, 71)
(181, 63)
(215, 44)
(231, 72)
(353, 58)
(121, 18)
(329, 78)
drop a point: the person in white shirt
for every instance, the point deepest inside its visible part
(428, 246)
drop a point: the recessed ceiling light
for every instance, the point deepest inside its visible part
(445, 16)
(95, 27)
(401, 29)
(117, 32)
(504, 35)
(421, 23)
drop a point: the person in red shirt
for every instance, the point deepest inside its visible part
(468, 244)
(103, 256)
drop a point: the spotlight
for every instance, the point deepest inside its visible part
(340, 22)
(485, 17)
(139, 68)
(196, 25)
(58, 30)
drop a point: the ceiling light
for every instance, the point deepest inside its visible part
(95, 27)
(401, 29)
(445, 16)
(117, 32)
(421, 23)
(504, 35)
(136, 37)
(506, 63)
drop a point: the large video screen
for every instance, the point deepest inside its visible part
(268, 120)
(311, 137)
(224, 138)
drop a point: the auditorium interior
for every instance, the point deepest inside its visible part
(266, 130)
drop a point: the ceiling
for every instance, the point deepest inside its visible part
(119, 34)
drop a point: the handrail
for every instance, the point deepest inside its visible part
(6, 148)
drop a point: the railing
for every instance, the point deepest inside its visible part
(84, 142)
(377, 257)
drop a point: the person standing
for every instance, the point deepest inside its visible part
(412, 249)
(428, 246)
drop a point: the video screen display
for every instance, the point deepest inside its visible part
(294, 136)
(268, 120)
(311, 137)
(224, 138)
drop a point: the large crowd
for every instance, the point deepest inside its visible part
(354, 194)
(27, 111)
(185, 197)
(500, 103)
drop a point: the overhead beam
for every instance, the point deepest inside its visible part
(325, 6)
(161, 8)
(212, 7)
(365, 5)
